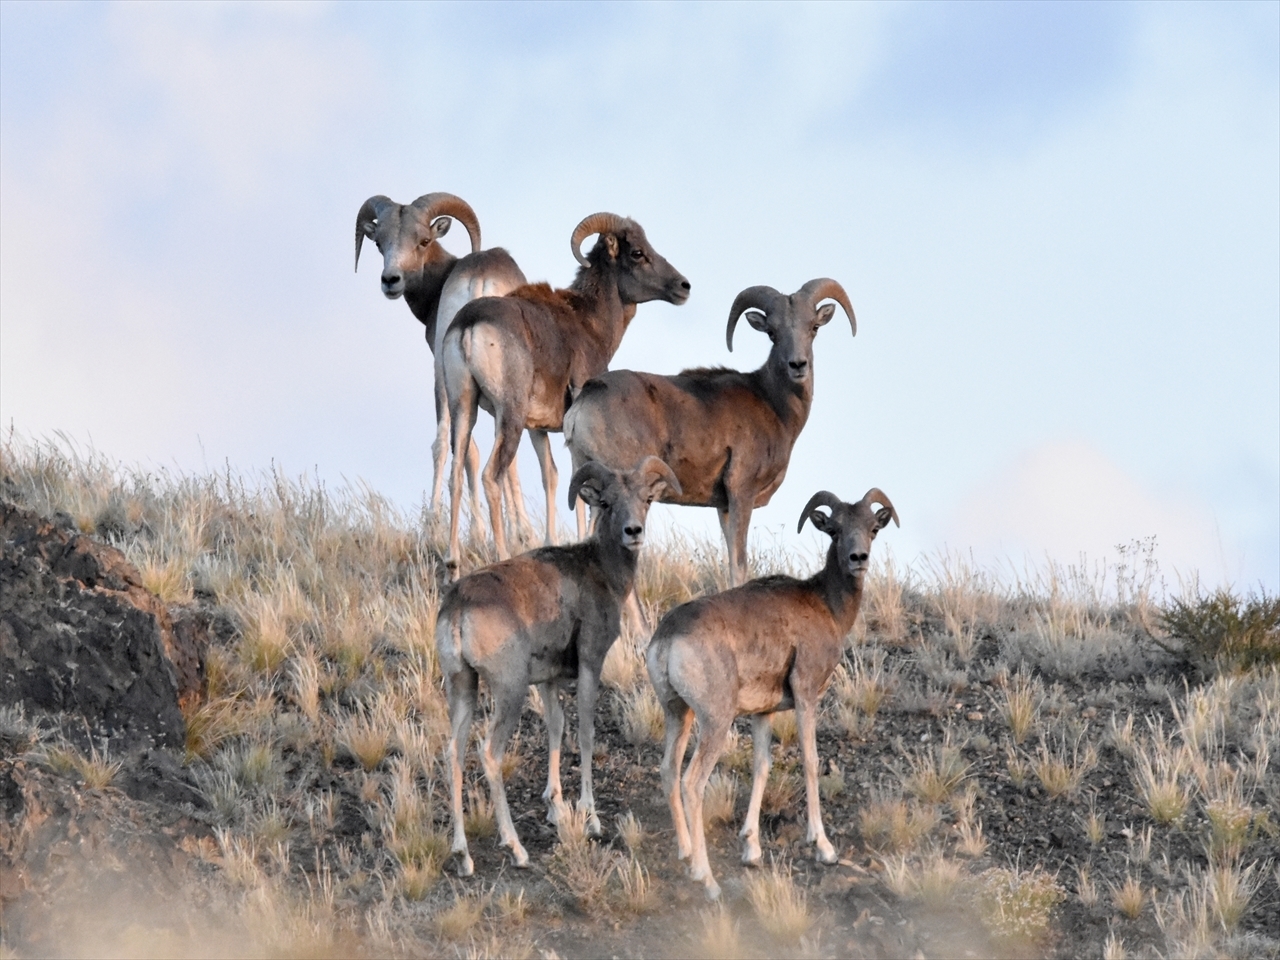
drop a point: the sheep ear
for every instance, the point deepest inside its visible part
(883, 517)
(822, 521)
(589, 493)
(758, 320)
(611, 244)
(825, 313)
(441, 226)
(369, 227)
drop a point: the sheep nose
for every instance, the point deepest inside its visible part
(797, 365)
(633, 531)
(859, 557)
(684, 285)
(390, 279)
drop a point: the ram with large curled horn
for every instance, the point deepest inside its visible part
(435, 284)
(727, 434)
(769, 645)
(524, 357)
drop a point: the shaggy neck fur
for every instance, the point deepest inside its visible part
(841, 592)
(790, 400)
(423, 288)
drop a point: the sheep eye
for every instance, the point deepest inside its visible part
(637, 254)
(423, 243)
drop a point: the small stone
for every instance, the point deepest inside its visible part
(1088, 713)
(973, 716)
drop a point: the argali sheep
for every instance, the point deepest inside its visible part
(769, 645)
(435, 284)
(547, 617)
(728, 435)
(524, 357)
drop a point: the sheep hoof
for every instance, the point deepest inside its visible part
(751, 857)
(465, 867)
(713, 891)
(593, 826)
(825, 853)
(520, 857)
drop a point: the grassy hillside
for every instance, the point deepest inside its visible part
(1064, 762)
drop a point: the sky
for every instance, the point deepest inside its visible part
(1059, 224)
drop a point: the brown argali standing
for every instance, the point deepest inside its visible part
(435, 284)
(524, 357)
(547, 617)
(728, 435)
(769, 645)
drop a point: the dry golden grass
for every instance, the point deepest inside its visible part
(935, 773)
(1129, 897)
(892, 825)
(785, 727)
(578, 866)
(781, 908)
(1020, 705)
(1160, 772)
(1061, 769)
(1086, 889)
(641, 715)
(461, 917)
(719, 799)
(720, 937)
(631, 830)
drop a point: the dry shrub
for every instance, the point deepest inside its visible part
(1223, 632)
(781, 907)
(1017, 905)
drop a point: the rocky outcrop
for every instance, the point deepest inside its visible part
(79, 634)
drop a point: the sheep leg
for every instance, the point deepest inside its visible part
(735, 521)
(550, 476)
(761, 743)
(464, 401)
(460, 690)
(507, 428)
(553, 713)
(580, 510)
(440, 446)
(807, 721)
(588, 687)
(713, 733)
(521, 529)
(679, 725)
(506, 713)
(473, 480)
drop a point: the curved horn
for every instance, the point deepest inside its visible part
(596, 223)
(824, 288)
(591, 470)
(370, 210)
(435, 205)
(823, 498)
(876, 495)
(761, 298)
(655, 468)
